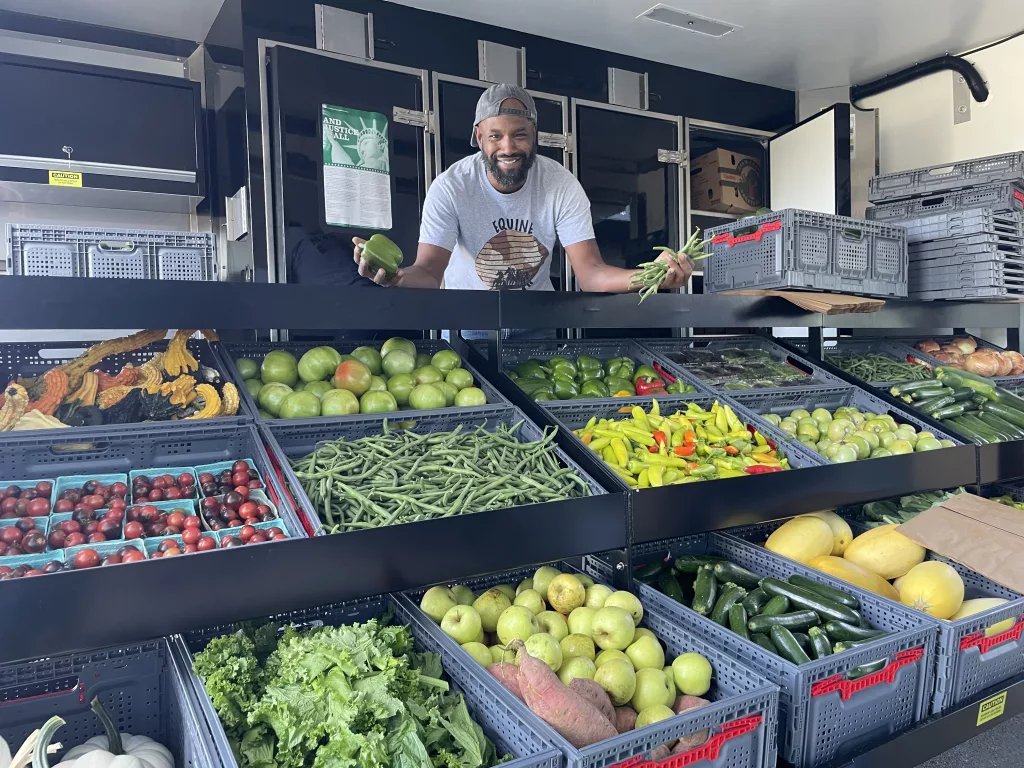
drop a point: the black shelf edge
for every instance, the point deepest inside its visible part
(934, 314)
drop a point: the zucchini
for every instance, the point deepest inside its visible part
(755, 601)
(738, 620)
(820, 645)
(787, 646)
(981, 428)
(841, 631)
(705, 588)
(804, 641)
(928, 406)
(849, 645)
(948, 412)
(728, 597)
(775, 606)
(795, 620)
(963, 394)
(669, 585)
(967, 432)
(930, 394)
(866, 669)
(693, 563)
(765, 642)
(1003, 434)
(1010, 400)
(829, 593)
(998, 422)
(651, 571)
(727, 572)
(1011, 415)
(911, 386)
(805, 598)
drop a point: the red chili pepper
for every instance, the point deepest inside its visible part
(761, 469)
(659, 437)
(648, 385)
(663, 373)
(652, 449)
(684, 450)
(732, 450)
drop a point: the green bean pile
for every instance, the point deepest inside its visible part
(404, 477)
(653, 273)
(877, 368)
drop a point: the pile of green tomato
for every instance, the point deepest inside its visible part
(324, 382)
(559, 378)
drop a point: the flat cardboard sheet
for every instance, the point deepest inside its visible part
(983, 535)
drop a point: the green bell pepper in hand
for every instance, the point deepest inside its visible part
(381, 253)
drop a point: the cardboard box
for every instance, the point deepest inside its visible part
(727, 182)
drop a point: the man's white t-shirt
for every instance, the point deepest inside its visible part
(504, 241)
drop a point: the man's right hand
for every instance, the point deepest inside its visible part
(380, 277)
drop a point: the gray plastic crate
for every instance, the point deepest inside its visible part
(229, 352)
(954, 224)
(295, 438)
(957, 294)
(803, 249)
(966, 662)
(979, 276)
(957, 258)
(138, 685)
(977, 243)
(823, 717)
(941, 178)
(738, 695)
(56, 251)
(512, 734)
(692, 348)
(883, 347)
(1005, 196)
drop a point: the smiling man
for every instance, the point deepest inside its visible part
(491, 220)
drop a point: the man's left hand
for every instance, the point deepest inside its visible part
(679, 270)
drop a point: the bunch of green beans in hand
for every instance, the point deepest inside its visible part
(402, 477)
(653, 273)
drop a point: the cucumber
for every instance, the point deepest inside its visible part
(803, 640)
(728, 597)
(726, 573)
(997, 422)
(787, 646)
(651, 571)
(1011, 415)
(738, 620)
(765, 642)
(755, 601)
(795, 620)
(775, 606)
(866, 669)
(829, 593)
(911, 386)
(705, 588)
(693, 563)
(849, 645)
(820, 645)
(841, 631)
(669, 585)
(805, 598)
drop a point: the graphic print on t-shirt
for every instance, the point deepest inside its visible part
(512, 258)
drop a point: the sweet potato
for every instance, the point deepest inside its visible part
(625, 719)
(660, 752)
(508, 675)
(574, 718)
(685, 704)
(596, 695)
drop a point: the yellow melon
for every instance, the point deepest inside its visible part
(854, 574)
(933, 587)
(842, 535)
(885, 551)
(980, 604)
(801, 539)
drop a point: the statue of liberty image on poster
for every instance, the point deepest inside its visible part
(357, 168)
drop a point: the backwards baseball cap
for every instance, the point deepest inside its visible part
(490, 103)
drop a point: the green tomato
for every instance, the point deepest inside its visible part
(377, 402)
(339, 402)
(460, 378)
(353, 376)
(426, 396)
(300, 405)
(378, 384)
(401, 386)
(272, 395)
(264, 415)
(427, 374)
(247, 368)
(280, 367)
(446, 360)
(318, 363)
(449, 390)
(254, 386)
(422, 359)
(318, 388)
(397, 342)
(398, 361)
(471, 397)
(369, 357)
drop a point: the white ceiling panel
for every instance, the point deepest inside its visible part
(184, 19)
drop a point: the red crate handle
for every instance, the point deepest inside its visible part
(847, 687)
(1018, 195)
(728, 239)
(986, 644)
(707, 751)
(299, 511)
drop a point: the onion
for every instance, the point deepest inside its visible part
(983, 363)
(954, 348)
(928, 346)
(1005, 364)
(967, 344)
(1018, 362)
(952, 359)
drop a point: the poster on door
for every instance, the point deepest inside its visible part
(357, 172)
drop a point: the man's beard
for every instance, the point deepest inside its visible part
(507, 179)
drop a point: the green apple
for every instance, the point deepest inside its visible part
(480, 652)
(499, 654)
(577, 645)
(525, 584)
(671, 677)
(462, 624)
(544, 647)
(463, 594)
(490, 606)
(628, 602)
(481, 637)
(436, 601)
(605, 656)
(580, 621)
(585, 580)
(643, 632)
(507, 589)
(618, 679)
(651, 688)
(565, 593)
(612, 627)
(653, 714)
(692, 673)
(542, 578)
(596, 595)
(646, 653)
(553, 623)
(574, 667)
(516, 623)
(531, 599)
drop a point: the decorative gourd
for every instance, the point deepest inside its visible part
(181, 391)
(15, 402)
(150, 378)
(157, 407)
(208, 402)
(113, 750)
(178, 359)
(95, 354)
(86, 394)
(229, 406)
(54, 389)
(111, 397)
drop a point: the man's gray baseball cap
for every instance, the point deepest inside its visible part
(490, 103)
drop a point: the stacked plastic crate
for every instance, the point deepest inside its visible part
(965, 226)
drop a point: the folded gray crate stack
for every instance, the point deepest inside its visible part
(965, 226)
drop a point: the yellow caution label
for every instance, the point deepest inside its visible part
(992, 708)
(65, 179)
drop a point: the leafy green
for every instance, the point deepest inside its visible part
(356, 696)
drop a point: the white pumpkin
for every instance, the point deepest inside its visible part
(117, 750)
